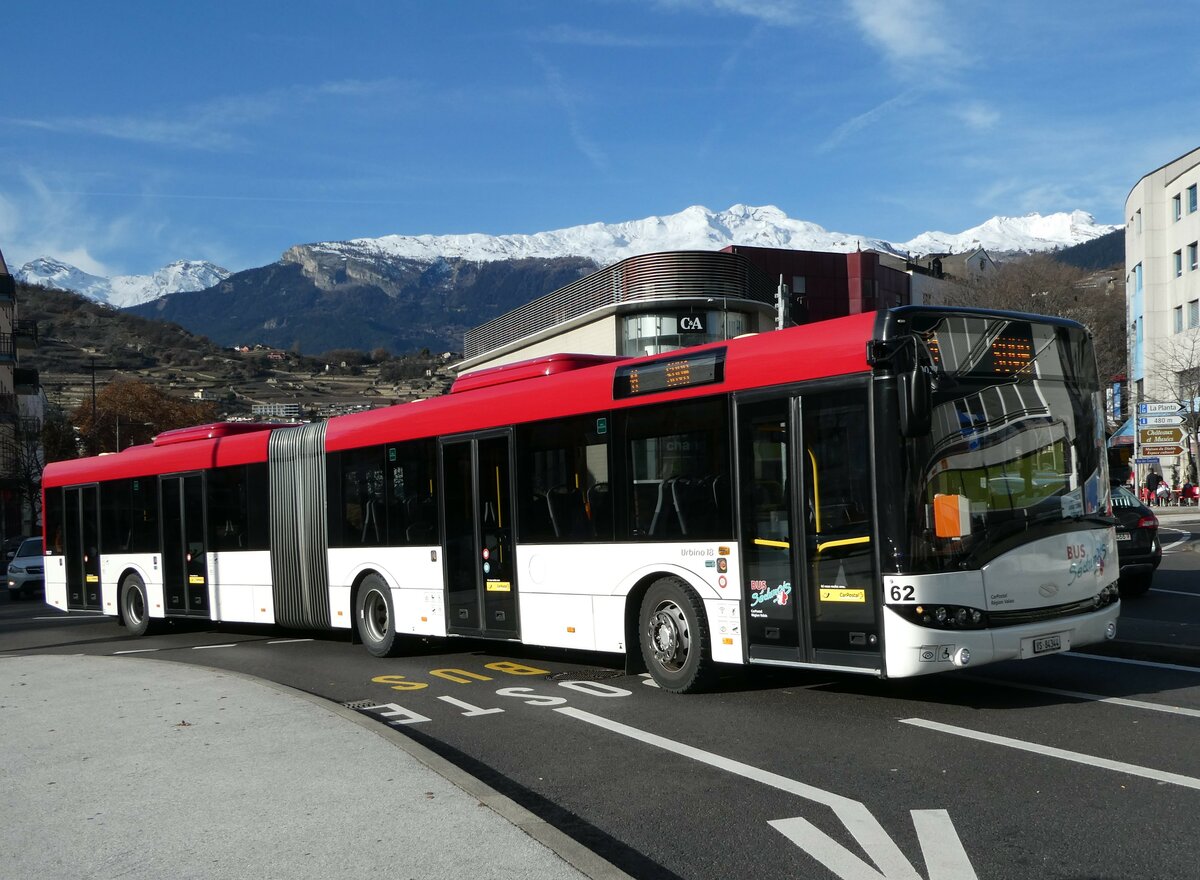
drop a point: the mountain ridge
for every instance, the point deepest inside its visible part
(694, 228)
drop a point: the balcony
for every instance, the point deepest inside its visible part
(25, 333)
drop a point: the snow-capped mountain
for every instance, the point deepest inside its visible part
(366, 260)
(122, 291)
(1001, 235)
(698, 228)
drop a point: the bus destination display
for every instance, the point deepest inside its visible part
(670, 374)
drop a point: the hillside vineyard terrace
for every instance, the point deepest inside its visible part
(894, 494)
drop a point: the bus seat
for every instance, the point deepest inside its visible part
(568, 513)
(600, 504)
(694, 505)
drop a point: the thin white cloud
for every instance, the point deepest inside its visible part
(776, 12)
(978, 116)
(209, 125)
(861, 121)
(567, 101)
(913, 34)
(569, 35)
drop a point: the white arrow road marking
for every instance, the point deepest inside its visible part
(865, 828)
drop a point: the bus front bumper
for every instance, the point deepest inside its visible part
(916, 650)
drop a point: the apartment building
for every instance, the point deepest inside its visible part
(21, 414)
(1162, 234)
(1162, 266)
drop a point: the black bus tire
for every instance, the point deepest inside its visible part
(673, 632)
(375, 618)
(135, 605)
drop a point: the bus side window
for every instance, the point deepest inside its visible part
(562, 480)
(678, 465)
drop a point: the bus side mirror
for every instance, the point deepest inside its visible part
(916, 408)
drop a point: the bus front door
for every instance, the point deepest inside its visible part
(805, 478)
(481, 584)
(81, 546)
(185, 560)
(772, 587)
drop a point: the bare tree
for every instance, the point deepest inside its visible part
(1175, 370)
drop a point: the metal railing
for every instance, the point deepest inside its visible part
(644, 278)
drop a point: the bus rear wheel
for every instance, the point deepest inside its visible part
(375, 618)
(135, 606)
(674, 637)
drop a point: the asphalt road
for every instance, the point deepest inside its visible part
(1073, 766)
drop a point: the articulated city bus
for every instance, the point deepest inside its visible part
(895, 493)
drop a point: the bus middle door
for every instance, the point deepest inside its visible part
(481, 575)
(185, 558)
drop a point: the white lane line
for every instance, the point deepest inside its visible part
(1094, 698)
(136, 651)
(206, 647)
(1173, 666)
(1063, 754)
(1175, 592)
(288, 641)
(854, 815)
(1174, 544)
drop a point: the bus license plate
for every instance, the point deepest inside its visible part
(1047, 643)
(1051, 643)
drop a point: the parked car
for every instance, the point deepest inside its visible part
(25, 570)
(8, 548)
(1138, 547)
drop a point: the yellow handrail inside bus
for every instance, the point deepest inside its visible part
(821, 545)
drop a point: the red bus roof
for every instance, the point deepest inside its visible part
(544, 388)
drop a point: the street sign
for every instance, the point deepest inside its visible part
(1159, 421)
(1157, 409)
(1163, 449)
(1160, 435)
(1146, 460)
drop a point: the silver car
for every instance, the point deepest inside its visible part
(25, 570)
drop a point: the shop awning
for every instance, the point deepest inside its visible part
(1123, 436)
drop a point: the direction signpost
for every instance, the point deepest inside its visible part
(1159, 432)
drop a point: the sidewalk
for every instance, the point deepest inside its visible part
(136, 768)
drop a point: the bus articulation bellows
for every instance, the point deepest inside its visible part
(895, 493)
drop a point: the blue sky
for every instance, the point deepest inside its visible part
(134, 134)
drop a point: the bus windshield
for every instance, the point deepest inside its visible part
(1016, 445)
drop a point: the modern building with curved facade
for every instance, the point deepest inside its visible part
(653, 303)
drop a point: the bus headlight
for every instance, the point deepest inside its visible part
(943, 616)
(962, 657)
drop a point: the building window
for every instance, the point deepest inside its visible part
(1192, 256)
(1177, 206)
(1194, 314)
(656, 334)
(1178, 260)
(1178, 319)
(1191, 191)
(1137, 222)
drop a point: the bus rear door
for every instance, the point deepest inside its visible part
(81, 546)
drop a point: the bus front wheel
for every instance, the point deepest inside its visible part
(674, 637)
(375, 618)
(135, 607)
